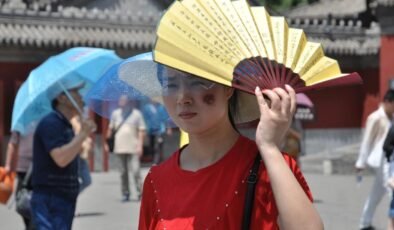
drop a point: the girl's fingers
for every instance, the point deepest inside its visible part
(275, 100)
(281, 101)
(285, 100)
(293, 100)
(260, 99)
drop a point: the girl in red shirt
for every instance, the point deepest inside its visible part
(203, 185)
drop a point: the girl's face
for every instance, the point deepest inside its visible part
(195, 104)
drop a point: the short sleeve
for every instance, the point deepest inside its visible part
(52, 135)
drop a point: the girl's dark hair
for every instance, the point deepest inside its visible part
(160, 73)
(232, 109)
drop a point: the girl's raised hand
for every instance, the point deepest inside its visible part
(276, 118)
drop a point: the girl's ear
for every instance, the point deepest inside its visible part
(229, 92)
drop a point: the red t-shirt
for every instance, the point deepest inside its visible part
(212, 197)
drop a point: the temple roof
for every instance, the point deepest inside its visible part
(386, 2)
(131, 25)
(323, 8)
(341, 29)
(128, 25)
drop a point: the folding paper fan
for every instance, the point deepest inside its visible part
(234, 44)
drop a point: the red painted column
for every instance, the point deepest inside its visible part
(2, 110)
(386, 62)
(104, 125)
(91, 153)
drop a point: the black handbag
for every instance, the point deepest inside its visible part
(23, 196)
(111, 141)
(251, 181)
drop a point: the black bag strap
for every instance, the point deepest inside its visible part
(121, 123)
(251, 181)
(26, 179)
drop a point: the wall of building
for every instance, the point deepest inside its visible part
(386, 62)
(11, 77)
(346, 106)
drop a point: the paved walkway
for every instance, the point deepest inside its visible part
(338, 200)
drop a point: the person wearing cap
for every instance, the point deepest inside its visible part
(204, 184)
(55, 161)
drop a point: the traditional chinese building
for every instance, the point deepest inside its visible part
(358, 33)
(32, 31)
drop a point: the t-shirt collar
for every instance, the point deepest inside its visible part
(62, 117)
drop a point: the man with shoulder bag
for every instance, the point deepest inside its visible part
(127, 126)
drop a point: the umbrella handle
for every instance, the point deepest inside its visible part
(71, 99)
(81, 114)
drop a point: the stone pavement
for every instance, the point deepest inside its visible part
(337, 197)
(339, 160)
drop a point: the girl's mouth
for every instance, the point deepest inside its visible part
(187, 115)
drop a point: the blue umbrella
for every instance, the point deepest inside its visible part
(104, 95)
(44, 83)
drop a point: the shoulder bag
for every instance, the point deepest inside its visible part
(111, 139)
(23, 196)
(249, 198)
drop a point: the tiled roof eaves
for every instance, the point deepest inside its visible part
(323, 8)
(54, 35)
(347, 25)
(368, 45)
(386, 2)
(49, 29)
(23, 28)
(340, 36)
(83, 15)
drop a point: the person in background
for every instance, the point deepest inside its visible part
(371, 154)
(388, 148)
(155, 117)
(129, 125)
(56, 152)
(18, 159)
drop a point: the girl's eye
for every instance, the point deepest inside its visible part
(171, 86)
(200, 84)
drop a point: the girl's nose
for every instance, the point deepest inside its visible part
(183, 95)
